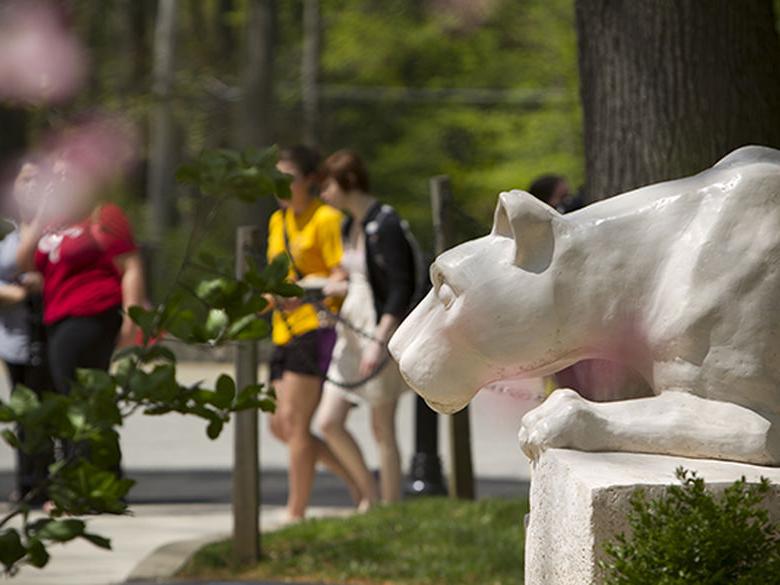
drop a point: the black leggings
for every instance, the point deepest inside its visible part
(81, 342)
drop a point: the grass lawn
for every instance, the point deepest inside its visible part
(422, 542)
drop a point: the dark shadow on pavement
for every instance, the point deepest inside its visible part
(214, 486)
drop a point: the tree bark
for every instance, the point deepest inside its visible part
(310, 69)
(135, 42)
(13, 136)
(161, 186)
(670, 86)
(256, 123)
(257, 104)
(226, 42)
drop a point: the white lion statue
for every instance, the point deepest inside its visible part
(679, 281)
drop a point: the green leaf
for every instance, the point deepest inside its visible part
(181, 324)
(95, 380)
(6, 413)
(159, 352)
(144, 319)
(256, 280)
(277, 270)
(282, 186)
(248, 327)
(159, 384)
(37, 555)
(258, 329)
(10, 437)
(11, 547)
(77, 417)
(261, 157)
(216, 322)
(225, 391)
(134, 351)
(288, 289)
(267, 405)
(23, 400)
(61, 530)
(215, 290)
(97, 540)
(214, 428)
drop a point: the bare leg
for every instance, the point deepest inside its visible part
(383, 422)
(334, 410)
(673, 423)
(297, 399)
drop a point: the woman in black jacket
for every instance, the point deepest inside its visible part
(379, 263)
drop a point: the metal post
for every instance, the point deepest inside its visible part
(462, 476)
(246, 468)
(425, 477)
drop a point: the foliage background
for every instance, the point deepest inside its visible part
(524, 49)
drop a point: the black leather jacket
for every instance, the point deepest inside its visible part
(389, 260)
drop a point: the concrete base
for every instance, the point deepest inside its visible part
(580, 500)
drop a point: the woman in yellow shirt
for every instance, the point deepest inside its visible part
(309, 231)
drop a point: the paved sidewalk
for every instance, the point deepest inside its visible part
(152, 543)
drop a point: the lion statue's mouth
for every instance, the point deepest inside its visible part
(446, 407)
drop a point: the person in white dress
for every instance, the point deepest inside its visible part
(380, 267)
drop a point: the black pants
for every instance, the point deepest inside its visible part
(82, 342)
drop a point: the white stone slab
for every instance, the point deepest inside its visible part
(580, 500)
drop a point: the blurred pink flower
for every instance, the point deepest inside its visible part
(40, 60)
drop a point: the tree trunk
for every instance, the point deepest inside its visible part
(162, 135)
(226, 43)
(256, 115)
(13, 137)
(310, 68)
(256, 128)
(134, 37)
(668, 87)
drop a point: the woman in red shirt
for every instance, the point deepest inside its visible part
(91, 269)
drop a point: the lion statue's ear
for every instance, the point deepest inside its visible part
(531, 224)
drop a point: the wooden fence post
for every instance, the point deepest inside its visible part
(461, 484)
(246, 468)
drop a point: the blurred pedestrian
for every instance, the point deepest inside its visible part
(91, 270)
(21, 337)
(308, 231)
(380, 264)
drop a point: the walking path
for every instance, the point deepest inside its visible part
(152, 543)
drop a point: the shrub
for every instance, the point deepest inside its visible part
(690, 535)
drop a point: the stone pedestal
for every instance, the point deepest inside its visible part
(580, 500)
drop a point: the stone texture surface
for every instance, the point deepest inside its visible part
(580, 500)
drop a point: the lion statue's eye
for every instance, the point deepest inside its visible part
(446, 294)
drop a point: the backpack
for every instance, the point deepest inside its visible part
(422, 262)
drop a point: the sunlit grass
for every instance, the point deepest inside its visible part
(421, 542)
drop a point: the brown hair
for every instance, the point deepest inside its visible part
(304, 158)
(348, 170)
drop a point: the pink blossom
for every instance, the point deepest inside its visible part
(40, 60)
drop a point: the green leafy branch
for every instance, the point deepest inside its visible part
(210, 310)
